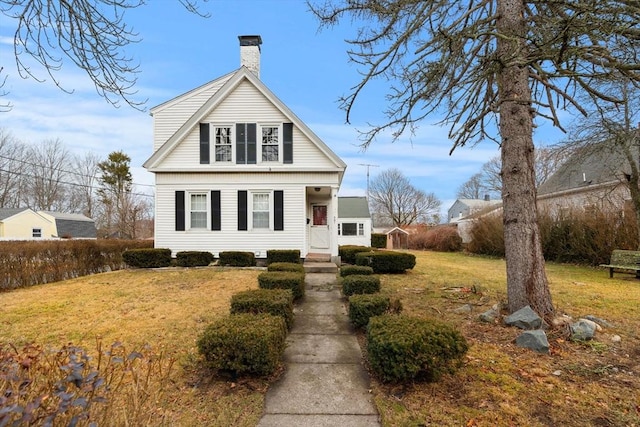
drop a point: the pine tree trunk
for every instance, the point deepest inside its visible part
(526, 278)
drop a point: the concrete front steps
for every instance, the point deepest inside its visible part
(319, 263)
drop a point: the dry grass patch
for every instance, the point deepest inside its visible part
(579, 384)
(161, 311)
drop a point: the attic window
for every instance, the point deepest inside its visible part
(223, 143)
(270, 142)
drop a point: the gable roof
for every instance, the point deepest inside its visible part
(595, 165)
(233, 81)
(353, 207)
(73, 225)
(9, 212)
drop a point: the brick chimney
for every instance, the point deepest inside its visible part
(250, 53)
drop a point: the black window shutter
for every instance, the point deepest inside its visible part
(242, 210)
(204, 144)
(215, 210)
(251, 143)
(180, 211)
(287, 142)
(278, 210)
(241, 143)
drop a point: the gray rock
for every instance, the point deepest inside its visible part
(489, 316)
(599, 321)
(465, 309)
(535, 340)
(525, 318)
(582, 331)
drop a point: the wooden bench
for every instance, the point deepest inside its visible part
(624, 260)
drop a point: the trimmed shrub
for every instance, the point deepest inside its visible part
(363, 307)
(387, 261)
(283, 255)
(237, 259)
(350, 270)
(378, 240)
(283, 280)
(194, 258)
(244, 343)
(443, 238)
(30, 263)
(278, 302)
(286, 266)
(348, 252)
(402, 348)
(147, 257)
(359, 284)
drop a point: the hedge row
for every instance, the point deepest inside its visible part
(386, 261)
(31, 263)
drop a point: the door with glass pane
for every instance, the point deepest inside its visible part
(319, 228)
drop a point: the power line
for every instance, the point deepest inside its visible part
(75, 184)
(63, 170)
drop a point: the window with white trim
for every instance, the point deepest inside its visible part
(222, 143)
(260, 210)
(270, 143)
(198, 210)
(351, 229)
(36, 233)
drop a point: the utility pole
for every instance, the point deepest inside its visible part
(368, 165)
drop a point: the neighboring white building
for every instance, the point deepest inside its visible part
(354, 221)
(594, 178)
(463, 208)
(236, 169)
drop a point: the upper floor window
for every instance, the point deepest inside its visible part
(270, 143)
(198, 210)
(223, 147)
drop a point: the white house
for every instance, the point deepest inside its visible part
(236, 169)
(463, 208)
(354, 221)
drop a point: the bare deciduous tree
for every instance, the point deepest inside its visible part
(488, 182)
(84, 179)
(92, 34)
(48, 176)
(394, 200)
(12, 169)
(482, 64)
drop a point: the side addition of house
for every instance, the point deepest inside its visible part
(236, 169)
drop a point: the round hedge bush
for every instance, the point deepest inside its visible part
(403, 348)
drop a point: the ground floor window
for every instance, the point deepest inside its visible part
(351, 229)
(260, 210)
(36, 232)
(198, 210)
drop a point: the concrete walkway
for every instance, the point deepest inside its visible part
(325, 383)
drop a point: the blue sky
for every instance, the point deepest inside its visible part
(306, 68)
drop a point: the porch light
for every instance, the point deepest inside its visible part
(317, 189)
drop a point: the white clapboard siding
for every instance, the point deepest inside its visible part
(246, 104)
(229, 238)
(169, 116)
(364, 240)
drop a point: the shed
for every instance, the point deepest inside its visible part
(397, 238)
